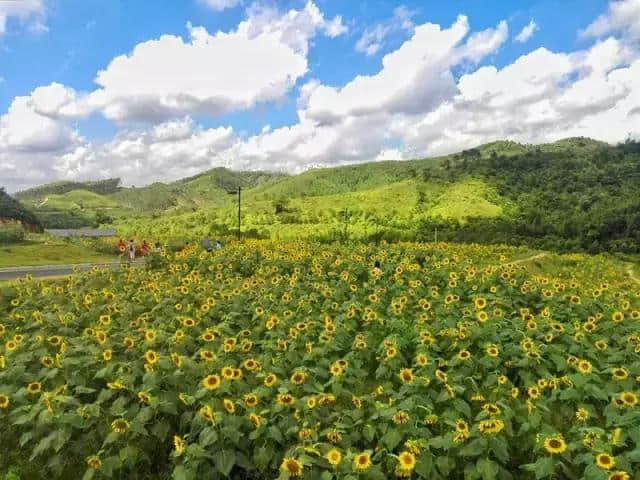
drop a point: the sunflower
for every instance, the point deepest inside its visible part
(229, 406)
(406, 376)
(120, 425)
(207, 355)
(270, 380)
(298, 378)
(4, 401)
(422, 360)
(211, 382)
(491, 427)
(292, 466)
(178, 443)
(464, 355)
(491, 409)
(150, 336)
(406, 463)
(144, 397)
(462, 425)
(555, 444)
(619, 475)
(582, 414)
(227, 373)
(333, 456)
(285, 399)
(362, 461)
(629, 398)
(151, 357)
(311, 402)
(255, 419)
(177, 359)
(94, 462)
(206, 412)
(620, 373)
(480, 303)
(617, 317)
(605, 461)
(492, 350)
(47, 361)
(35, 387)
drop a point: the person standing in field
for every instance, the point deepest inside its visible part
(131, 250)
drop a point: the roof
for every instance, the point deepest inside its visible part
(80, 232)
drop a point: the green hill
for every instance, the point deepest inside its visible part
(206, 188)
(101, 187)
(573, 194)
(12, 210)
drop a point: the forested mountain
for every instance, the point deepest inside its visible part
(12, 209)
(574, 194)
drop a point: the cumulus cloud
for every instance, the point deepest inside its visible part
(372, 39)
(413, 102)
(622, 16)
(220, 4)
(212, 73)
(29, 12)
(527, 32)
(414, 78)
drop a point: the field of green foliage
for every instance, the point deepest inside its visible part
(297, 359)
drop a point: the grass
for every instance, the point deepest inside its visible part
(34, 253)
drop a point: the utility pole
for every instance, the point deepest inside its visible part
(239, 190)
(435, 235)
(233, 192)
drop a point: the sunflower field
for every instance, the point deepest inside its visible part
(301, 360)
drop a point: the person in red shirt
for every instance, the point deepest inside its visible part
(144, 248)
(121, 246)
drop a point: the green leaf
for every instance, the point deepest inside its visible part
(369, 432)
(326, 475)
(207, 437)
(179, 473)
(487, 468)
(275, 434)
(544, 467)
(424, 465)
(160, 430)
(592, 472)
(88, 475)
(225, 460)
(462, 407)
(474, 448)
(392, 438)
(262, 457)
(443, 465)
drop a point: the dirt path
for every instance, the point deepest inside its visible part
(13, 273)
(528, 259)
(632, 275)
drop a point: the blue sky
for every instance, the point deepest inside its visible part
(83, 37)
(67, 43)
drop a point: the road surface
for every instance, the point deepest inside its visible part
(11, 273)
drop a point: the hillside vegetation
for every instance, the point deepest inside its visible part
(574, 194)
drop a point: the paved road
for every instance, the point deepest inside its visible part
(12, 273)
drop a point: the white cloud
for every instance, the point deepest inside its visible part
(220, 4)
(22, 128)
(29, 12)
(373, 37)
(414, 78)
(623, 16)
(389, 154)
(414, 102)
(527, 32)
(58, 101)
(212, 73)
